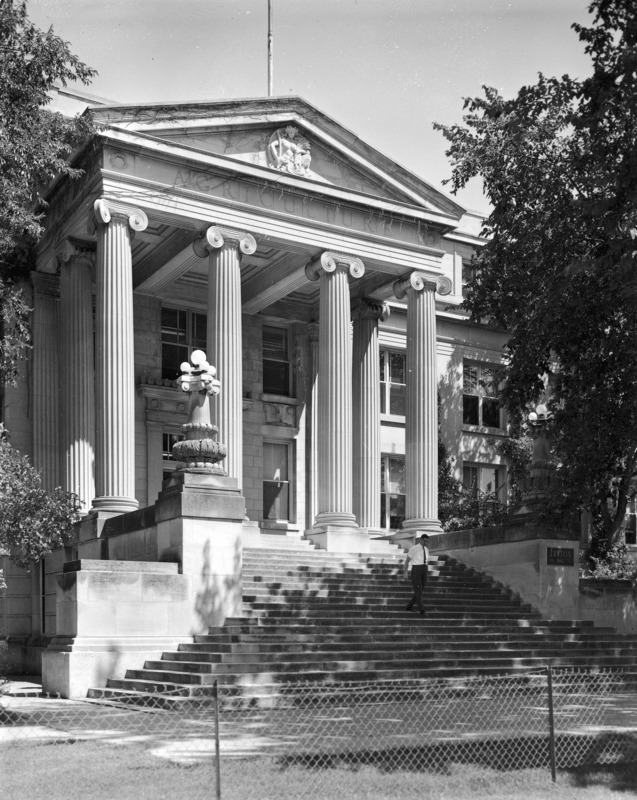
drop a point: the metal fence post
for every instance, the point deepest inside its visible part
(217, 746)
(549, 677)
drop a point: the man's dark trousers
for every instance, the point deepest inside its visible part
(418, 582)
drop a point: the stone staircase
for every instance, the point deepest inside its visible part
(309, 615)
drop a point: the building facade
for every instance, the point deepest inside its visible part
(323, 282)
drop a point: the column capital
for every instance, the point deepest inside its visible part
(329, 261)
(216, 237)
(106, 210)
(69, 248)
(369, 308)
(419, 281)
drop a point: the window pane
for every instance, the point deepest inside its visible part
(276, 377)
(470, 410)
(173, 326)
(397, 367)
(488, 381)
(396, 510)
(275, 461)
(382, 366)
(397, 399)
(276, 500)
(383, 397)
(470, 478)
(383, 468)
(490, 413)
(397, 475)
(198, 336)
(469, 378)
(172, 356)
(275, 343)
(383, 511)
(168, 440)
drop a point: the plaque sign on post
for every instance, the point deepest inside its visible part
(560, 556)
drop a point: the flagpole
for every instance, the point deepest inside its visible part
(270, 48)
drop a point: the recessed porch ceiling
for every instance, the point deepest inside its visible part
(165, 265)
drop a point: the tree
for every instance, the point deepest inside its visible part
(34, 147)
(559, 167)
(33, 522)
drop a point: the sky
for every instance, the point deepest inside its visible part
(385, 69)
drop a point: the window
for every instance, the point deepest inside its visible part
(393, 368)
(485, 478)
(468, 274)
(392, 489)
(169, 464)
(276, 483)
(181, 332)
(480, 404)
(276, 361)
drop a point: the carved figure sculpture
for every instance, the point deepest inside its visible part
(289, 151)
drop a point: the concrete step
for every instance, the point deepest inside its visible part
(410, 651)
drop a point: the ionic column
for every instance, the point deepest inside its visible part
(46, 384)
(223, 247)
(366, 412)
(115, 378)
(312, 506)
(421, 413)
(77, 371)
(335, 388)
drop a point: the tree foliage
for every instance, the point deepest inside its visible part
(33, 522)
(35, 144)
(559, 167)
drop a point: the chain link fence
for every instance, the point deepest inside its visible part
(550, 720)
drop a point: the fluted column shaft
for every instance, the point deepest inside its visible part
(366, 413)
(313, 330)
(78, 372)
(224, 247)
(335, 389)
(46, 397)
(421, 413)
(115, 377)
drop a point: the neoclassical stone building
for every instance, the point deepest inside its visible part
(321, 279)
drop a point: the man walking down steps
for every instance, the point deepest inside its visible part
(417, 557)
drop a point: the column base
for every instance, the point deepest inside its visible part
(339, 539)
(413, 528)
(335, 519)
(120, 505)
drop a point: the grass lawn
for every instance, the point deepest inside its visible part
(98, 771)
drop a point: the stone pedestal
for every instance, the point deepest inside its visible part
(538, 561)
(112, 616)
(199, 520)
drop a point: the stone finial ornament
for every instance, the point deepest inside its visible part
(199, 452)
(289, 151)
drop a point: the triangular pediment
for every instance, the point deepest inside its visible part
(285, 135)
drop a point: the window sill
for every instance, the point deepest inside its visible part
(279, 398)
(392, 419)
(483, 430)
(278, 525)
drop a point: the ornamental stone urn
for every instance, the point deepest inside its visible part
(198, 451)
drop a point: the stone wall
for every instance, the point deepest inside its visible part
(609, 602)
